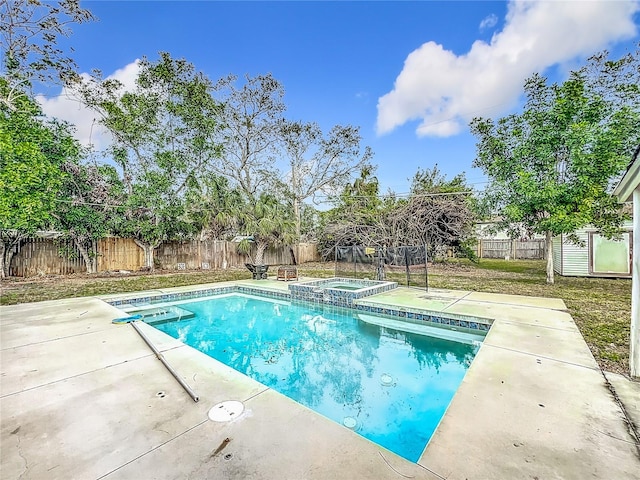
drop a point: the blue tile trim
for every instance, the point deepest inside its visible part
(318, 298)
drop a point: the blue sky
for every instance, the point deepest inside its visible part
(410, 74)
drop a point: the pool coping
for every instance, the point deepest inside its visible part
(557, 420)
(367, 305)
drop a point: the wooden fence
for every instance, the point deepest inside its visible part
(513, 249)
(46, 256)
(217, 254)
(119, 254)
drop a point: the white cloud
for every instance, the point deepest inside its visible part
(66, 106)
(489, 21)
(445, 91)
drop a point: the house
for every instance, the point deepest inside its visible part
(595, 255)
(629, 189)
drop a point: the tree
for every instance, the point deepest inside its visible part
(551, 166)
(318, 163)
(253, 119)
(252, 115)
(91, 200)
(165, 138)
(433, 181)
(358, 217)
(153, 213)
(264, 222)
(30, 31)
(210, 203)
(437, 214)
(32, 152)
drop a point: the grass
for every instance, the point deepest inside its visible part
(54, 288)
(601, 307)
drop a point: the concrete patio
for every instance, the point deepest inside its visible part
(83, 398)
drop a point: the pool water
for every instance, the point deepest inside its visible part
(344, 286)
(389, 386)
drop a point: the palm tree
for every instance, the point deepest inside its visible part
(211, 202)
(265, 222)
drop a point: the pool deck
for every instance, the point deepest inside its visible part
(83, 398)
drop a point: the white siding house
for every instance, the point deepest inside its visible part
(595, 256)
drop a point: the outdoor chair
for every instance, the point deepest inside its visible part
(287, 272)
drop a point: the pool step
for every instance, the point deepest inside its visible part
(164, 314)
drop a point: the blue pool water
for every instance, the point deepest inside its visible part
(344, 286)
(389, 386)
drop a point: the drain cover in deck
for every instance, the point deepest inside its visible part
(350, 422)
(226, 411)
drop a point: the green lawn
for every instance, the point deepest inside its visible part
(600, 307)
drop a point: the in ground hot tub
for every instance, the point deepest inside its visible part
(336, 291)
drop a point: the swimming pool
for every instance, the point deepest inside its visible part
(388, 385)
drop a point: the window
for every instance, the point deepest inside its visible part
(610, 257)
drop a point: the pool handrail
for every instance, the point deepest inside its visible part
(184, 385)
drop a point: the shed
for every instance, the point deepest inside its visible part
(629, 189)
(596, 256)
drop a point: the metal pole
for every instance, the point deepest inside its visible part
(355, 266)
(426, 269)
(406, 264)
(187, 388)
